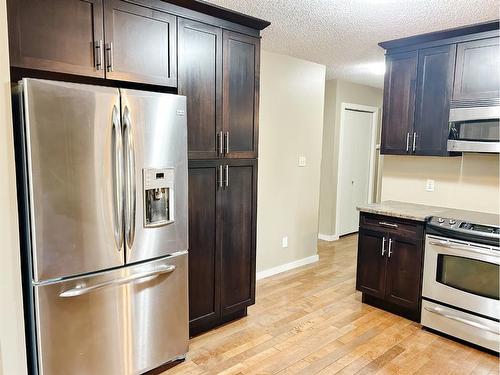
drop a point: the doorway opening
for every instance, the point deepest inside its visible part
(356, 164)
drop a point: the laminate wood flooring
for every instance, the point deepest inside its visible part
(311, 321)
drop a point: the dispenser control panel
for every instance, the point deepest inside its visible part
(158, 196)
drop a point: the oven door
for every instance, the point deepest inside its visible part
(462, 274)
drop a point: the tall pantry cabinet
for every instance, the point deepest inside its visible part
(219, 74)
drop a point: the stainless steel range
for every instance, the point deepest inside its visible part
(461, 278)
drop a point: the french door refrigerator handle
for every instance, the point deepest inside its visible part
(81, 290)
(130, 185)
(117, 177)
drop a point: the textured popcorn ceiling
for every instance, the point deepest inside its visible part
(343, 34)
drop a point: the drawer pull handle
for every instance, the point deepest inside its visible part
(386, 224)
(439, 311)
(81, 290)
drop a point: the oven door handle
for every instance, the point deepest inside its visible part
(469, 248)
(439, 311)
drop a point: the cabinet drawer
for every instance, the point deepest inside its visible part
(391, 225)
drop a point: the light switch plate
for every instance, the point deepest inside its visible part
(284, 241)
(429, 186)
(302, 161)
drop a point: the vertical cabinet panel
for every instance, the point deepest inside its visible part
(140, 44)
(200, 79)
(476, 72)
(370, 276)
(56, 35)
(238, 244)
(434, 87)
(241, 59)
(404, 272)
(204, 242)
(399, 103)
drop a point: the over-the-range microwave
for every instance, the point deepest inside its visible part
(475, 126)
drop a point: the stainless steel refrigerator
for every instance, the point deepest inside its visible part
(103, 173)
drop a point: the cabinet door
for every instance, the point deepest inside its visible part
(404, 269)
(476, 72)
(370, 274)
(56, 35)
(200, 79)
(434, 87)
(399, 103)
(240, 94)
(238, 243)
(140, 44)
(204, 243)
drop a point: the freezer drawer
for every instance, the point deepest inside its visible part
(465, 326)
(124, 321)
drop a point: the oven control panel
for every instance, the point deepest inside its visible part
(456, 228)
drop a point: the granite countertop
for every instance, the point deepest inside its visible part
(420, 212)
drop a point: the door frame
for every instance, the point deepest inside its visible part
(373, 146)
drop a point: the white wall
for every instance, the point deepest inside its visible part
(338, 92)
(291, 124)
(12, 346)
(470, 182)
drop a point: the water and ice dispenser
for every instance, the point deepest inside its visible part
(158, 196)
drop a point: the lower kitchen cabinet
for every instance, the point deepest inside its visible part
(222, 228)
(389, 266)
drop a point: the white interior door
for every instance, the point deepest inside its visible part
(356, 150)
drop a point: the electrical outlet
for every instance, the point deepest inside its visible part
(284, 241)
(302, 161)
(429, 186)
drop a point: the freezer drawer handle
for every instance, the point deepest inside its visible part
(78, 291)
(439, 311)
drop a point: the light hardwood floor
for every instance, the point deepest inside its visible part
(311, 321)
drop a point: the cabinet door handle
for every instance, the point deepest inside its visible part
(109, 56)
(98, 55)
(226, 143)
(383, 245)
(226, 179)
(414, 141)
(220, 177)
(386, 224)
(389, 250)
(407, 141)
(221, 144)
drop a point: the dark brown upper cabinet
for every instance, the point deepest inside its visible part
(425, 74)
(476, 72)
(200, 79)
(241, 59)
(399, 103)
(57, 35)
(66, 36)
(140, 44)
(432, 108)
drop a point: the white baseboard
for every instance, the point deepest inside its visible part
(286, 267)
(328, 237)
